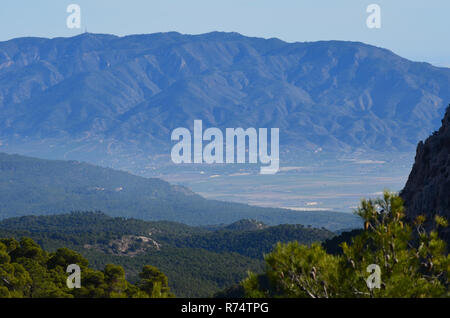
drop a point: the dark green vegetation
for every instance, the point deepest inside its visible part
(198, 261)
(30, 186)
(334, 245)
(251, 243)
(412, 261)
(30, 272)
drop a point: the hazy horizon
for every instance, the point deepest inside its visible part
(411, 29)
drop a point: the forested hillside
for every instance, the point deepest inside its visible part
(210, 260)
(27, 271)
(53, 186)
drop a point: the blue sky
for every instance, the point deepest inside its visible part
(416, 29)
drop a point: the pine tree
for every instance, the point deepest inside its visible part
(412, 262)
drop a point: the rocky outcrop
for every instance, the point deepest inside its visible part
(427, 191)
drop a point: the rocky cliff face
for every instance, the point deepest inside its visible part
(427, 191)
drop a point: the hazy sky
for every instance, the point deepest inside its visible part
(415, 29)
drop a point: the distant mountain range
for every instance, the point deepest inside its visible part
(30, 186)
(112, 100)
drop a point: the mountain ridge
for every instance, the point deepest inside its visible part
(100, 98)
(210, 260)
(30, 186)
(427, 191)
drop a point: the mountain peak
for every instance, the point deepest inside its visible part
(445, 122)
(246, 225)
(131, 91)
(427, 190)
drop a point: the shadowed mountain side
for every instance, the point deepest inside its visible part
(427, 191)
(30, 186)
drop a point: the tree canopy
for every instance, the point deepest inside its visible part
(27, 271)
(412, 262)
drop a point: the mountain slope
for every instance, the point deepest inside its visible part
(115, 100)
(30, 186)
(198, 262)
(427, 191)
